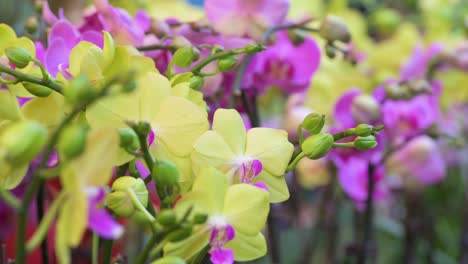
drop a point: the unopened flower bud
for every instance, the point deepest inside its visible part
(199, 219)
(169, 260)
(142, 128)
(120, 202)
(314, 123)
(318, 145)
(254, 48)
(385, 21)
(18, 56)
(37, 89)
(129, 139)
(330, 51)
(179, 234)
(23, 141)
(419, 86)
(364, 130)
(80, 90)
(196, 82)
(227, 64)
(38, 6)
(297, 37)
(166, 217)
(159, 28)
(31, 25)
(72, 141)
(165, 173)
(365, 143)
(365, 109)
(334, 28)
(185, 56)
(180, 42)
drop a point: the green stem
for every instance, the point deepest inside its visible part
(300, 134)
(95, 249)
(294, 163)
(146, 250)
(42, 229)
(157, 47)
(147, 155)
(345, 133)
(28, 78)
(343, 145)
(158, 248)
(223, 54)
(10, 199)
(107, 251)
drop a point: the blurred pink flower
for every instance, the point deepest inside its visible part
(353, 177)
(418, 163)
(246, 17)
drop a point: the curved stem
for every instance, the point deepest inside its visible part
(294, 163)
(10, 199)
(95, 249)
(157, 47)
(224, 54)
(28, 78)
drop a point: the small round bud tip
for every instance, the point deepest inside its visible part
(314, 123)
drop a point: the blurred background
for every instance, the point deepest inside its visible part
(320, 223)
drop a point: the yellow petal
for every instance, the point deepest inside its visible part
(246, 208)
(271, 147)
(228, 123)
(211, 149)
(94, 165)
(277, 186)
(248, 247)
(189, 247)
(178, 124)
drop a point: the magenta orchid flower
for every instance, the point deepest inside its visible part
(353, 177)
(99, 219)
(286, 65)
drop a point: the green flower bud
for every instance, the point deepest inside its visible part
(72, 141)
(254, 48)
(129, 139)
(142, 128)
(297, 37)
(196, 82)
(179, 234)
(119, 200)
(31, 25)
(22, 141)
(80, 90)
(37, 90)
(199, 219)
(185, 56)
(314, 123)
(165, 173)
(364, 130)
(318, 145)
(365, 109)
(227, 64)
(334, 28)
(385, 21)
(166, 217)
(18, 56)
(365, 143)
(330, 51)
(169, 260)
